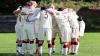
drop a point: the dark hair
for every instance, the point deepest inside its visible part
(80, 19)
(60, 9)
(43, 8)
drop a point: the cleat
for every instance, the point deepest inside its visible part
(53, 52)
(40, 54)
(72, 53)
(21, 55)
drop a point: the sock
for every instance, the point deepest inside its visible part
(31, 47)
(36, 46)
(53, 48)
(23, 48)
(62, 50)
(40, 50)
(65, 48)
(31, 50)
(50, 48)
(77, 46)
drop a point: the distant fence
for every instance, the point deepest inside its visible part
(7, 23)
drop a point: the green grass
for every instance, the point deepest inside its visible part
(89, 45)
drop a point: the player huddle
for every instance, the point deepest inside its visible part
(33, 22)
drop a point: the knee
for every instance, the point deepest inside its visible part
(66, 45)
(74, 41)
(40, 42)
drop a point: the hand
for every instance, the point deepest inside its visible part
(27, 20)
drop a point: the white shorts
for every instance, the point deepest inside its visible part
(75, 33)
(28, 31)
(36, 28)
(65, 34)
(18, 30)
(43, 31)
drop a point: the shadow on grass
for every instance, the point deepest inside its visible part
(8, 54)
(14, 54)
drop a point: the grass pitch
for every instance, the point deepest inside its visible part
(89, 45)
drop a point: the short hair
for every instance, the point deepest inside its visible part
(43, 8)
(60, 9)
(80, 19)
(33, 2)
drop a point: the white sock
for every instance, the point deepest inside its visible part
(65, 51)
(62, 49)
(50, 51)
(77, 46)
(73, 48)
(31, 49)
(23, 48)
(40, 49)
(53, 48)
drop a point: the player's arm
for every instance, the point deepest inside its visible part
(17, 11)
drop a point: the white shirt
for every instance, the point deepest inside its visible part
(73, 20)
(19, 17)
(81, 28)
(62, 19)
(45, 19)
(33, 11)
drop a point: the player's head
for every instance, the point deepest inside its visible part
(51, 6)
(80, 19)
(43, 8)
(33, 3)
(60, 9)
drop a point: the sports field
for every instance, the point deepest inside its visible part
(89, 45)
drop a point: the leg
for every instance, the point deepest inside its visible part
(53, 42)
(40, 40)
(40, 44)
(49, 38)
(37, 51)
(18, 37)
(74, 45)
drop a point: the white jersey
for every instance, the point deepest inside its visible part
(19, 17)
(73, 20)
(81, 28)
(62, 19)
(34, 12)
(45, 19)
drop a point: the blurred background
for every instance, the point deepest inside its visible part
(88, 9)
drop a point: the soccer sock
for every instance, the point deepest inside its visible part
(74, 47)
(62, 50)
(50, 48)
(36, 45)
(53, 48)
(18, 45)
(53, 44)
(24, 43)
(65, 48)
(19, 48)
(40, 50)
(40, 43)
(77, 46)
(31, 47)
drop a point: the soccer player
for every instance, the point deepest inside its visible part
(45, 28)
(64, 26)
(55, 28)
(28, 12)
(18, 29)
(75, 31)
(81, 27)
